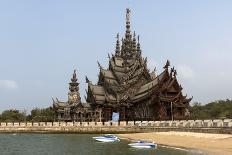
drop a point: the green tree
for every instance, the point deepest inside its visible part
(214, 110)
(13, 116)
(41, 115)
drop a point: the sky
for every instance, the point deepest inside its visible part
(42, 42)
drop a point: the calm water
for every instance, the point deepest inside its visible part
(71, 144)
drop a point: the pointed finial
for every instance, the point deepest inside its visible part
(86, 79)
(108, 55)
(134, 41)
(138, 45)
(167, 64)
(128, 23)
(53, 100)
(171, 72)
(175, 73)
(134, 37)
(145, 61)
(123, 44)
(172, 69)
(99, 65)
(74, 77)
(181, 87)
(122, 47)
(117, 50)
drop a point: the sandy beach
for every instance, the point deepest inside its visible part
(211, 144)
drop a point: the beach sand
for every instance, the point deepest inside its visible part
(218, 144)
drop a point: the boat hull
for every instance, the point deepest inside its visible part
(106, 139)
(143, 145)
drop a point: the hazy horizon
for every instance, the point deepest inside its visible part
(42, 42)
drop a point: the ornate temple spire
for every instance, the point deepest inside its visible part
(74, 77)
(74, 95)
(73, 85)
(117, 50)
(138, 44)
(122, 47)
(128, 35)
(134, 42)
(138, 47)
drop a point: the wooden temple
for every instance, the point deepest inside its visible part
(127, 87)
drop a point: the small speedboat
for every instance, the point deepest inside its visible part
(106, 138)
(142, 144)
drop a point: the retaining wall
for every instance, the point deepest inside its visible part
(211, 126)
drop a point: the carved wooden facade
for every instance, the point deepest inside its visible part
(128, 87)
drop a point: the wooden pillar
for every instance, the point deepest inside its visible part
(172, 112)
(100, 112)
(123, 115)
(108, 113)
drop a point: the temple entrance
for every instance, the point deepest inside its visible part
(115, 116)
(110, 114)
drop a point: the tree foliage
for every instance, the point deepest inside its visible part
(41, 115)
(214, 110)
(36, 115)
(13, 116)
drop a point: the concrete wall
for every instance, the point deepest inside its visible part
(224, 126)
(181, 124)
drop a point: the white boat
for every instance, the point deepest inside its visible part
(142, 145)
(106, 138)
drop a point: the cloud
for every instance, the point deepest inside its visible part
(185, 71)
(8, 84)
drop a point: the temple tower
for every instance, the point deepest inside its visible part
(74, 95)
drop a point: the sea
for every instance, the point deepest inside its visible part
(74, 144)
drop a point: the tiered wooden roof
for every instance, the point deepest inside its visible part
(74, 100)
(127, 79)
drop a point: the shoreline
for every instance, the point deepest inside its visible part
(185, 149)
(202, 143)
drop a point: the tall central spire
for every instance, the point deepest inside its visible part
(128, 35)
